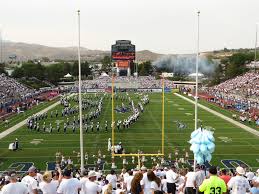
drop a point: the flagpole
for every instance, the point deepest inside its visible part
(255, 46)
(1, 46)
(80, 98)
(196, 86)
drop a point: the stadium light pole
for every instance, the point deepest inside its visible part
(256, 29)
(80, 98)
(1, 46)
(197, 69)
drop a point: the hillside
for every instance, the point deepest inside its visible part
(25, 51)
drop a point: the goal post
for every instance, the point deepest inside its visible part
(162, 126)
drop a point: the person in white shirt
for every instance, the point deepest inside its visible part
(119, 190)
(171, 179)
(155, 184)
(128, 180)
(255, 180)
(83, 180)
(30, 182)
(90, 186)
(68, 184)
(107, 189)
(250, 175)
(199, 176)
(112, 178)
(14, 187)
(145, 183)
(48, 185)
(239, 184)
(189, 182)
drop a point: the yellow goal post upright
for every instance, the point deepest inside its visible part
(162, 128)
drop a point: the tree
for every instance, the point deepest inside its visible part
(216, 78)
(237, 64)
(85, 70)
(18, 72)
(106, 63)
(145, 68)
(31, 69)
(2, 66)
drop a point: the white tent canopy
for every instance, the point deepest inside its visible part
(68, 75)
(104, 74)
(194, 75)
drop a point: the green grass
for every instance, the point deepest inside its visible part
(16, 118)
(145, 135)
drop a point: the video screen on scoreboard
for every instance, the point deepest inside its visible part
(122, 64)
(123, 55)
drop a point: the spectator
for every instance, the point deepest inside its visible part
(239, 184)
(145, 182)
(128, 180)
(199, 177)
(48, 185)
(14, 187)
(224, 176)
(90, 186)
(30, 182)
(68, 184)
(214, 184)
(155, 181)
(112, 178)
(189, 182)
(171, 179)
(135, 184)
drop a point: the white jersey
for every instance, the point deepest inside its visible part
(49, 188)
(238, 184)
(69, 186)
(15, 188)
(31, 183)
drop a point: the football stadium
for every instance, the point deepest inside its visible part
(128, 121)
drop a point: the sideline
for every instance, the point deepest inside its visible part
(246, 128)
(18, 125)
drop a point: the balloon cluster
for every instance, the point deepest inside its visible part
(202, 145)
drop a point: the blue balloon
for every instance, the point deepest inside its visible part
(211, 147)
(203, 148)
(199, 159)
(195, 148)
(193, 134)
(210, 136)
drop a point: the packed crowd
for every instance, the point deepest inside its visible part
(242, 89)
(240, 93)
(12, 91)
(147, 82)
(157, 180)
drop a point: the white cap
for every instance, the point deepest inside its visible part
(92, 174)
(240, 170)
(143, 168)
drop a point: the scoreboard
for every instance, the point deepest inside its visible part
(123, 50)
(123, 55)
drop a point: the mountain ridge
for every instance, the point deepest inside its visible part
(30, 51)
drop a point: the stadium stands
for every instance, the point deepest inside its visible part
(147, 82)
(13, 94)
(240, 93)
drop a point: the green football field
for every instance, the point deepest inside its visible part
(145, 135)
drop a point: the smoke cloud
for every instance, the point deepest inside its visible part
(184, 64)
